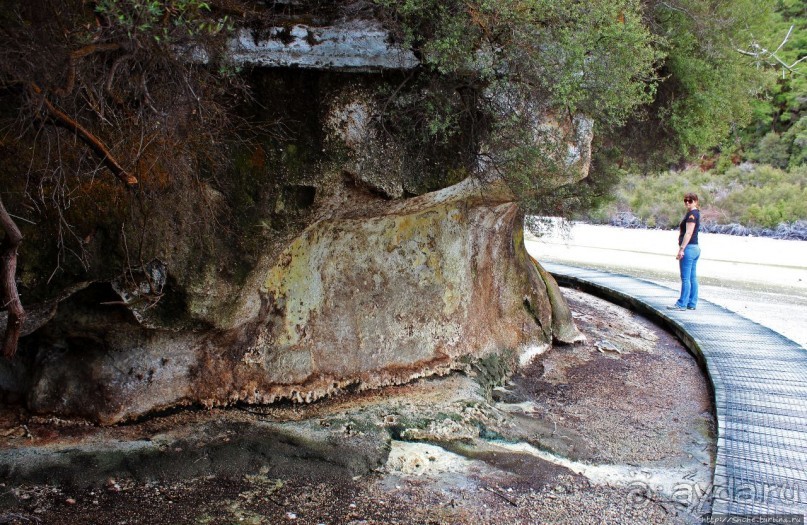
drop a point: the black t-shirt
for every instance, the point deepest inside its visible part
(691, 216)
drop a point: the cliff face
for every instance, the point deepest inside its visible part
(368, 282)
(354, 301)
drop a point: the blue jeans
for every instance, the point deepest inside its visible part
(689, 277)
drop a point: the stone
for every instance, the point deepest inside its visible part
(366, 289)
(369, 161)
(346, 45)
(194, 450)
(359, 299)
(563, 328)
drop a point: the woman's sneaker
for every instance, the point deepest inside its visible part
(676, 307)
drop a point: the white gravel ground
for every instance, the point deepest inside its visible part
(762, 279)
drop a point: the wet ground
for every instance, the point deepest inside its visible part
(615, 430)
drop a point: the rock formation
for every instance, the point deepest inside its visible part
(383, 283)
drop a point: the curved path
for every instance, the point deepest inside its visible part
(759, 381)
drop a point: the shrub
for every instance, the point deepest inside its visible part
(772, 150)
(754, 196)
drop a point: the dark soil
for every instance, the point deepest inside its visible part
(592, 388)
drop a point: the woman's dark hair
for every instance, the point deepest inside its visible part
(691, 197)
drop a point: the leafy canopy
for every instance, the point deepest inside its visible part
(661, 80)
(594, 57)
(529, 61)
(709, 86)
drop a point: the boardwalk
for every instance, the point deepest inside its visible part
(759, 380)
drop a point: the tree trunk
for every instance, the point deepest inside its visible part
(8, 285)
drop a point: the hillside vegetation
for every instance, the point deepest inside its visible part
(755, 180)
(745, 199)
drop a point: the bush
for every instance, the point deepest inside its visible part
(742, 200)
(796, 140)
(772, 150)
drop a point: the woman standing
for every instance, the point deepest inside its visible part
(688, 254)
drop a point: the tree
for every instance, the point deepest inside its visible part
(519, 60)
(661, 80)
(780, 116)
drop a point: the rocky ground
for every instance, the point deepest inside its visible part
(615, 430)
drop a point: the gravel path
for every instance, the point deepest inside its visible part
(762, 279)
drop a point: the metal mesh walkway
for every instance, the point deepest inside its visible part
(759, 380)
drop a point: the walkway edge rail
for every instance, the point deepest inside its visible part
(758, 380)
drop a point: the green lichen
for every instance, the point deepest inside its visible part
(295, 284)
(326, 258)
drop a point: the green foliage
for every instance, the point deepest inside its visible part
(797, 137)
(708, 88)
(661, 80)
(163, 20)
(767, 196)
(791, 89)
(593, 57)
(499, 70)
(712, 89)
(761, 196)
(785, 105)
(772, 150)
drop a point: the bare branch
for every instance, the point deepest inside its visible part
(108, 86)
(8, 283)
(760, 53)
(784, 41)
(75, 56)
(675, 8)
(62, 119)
